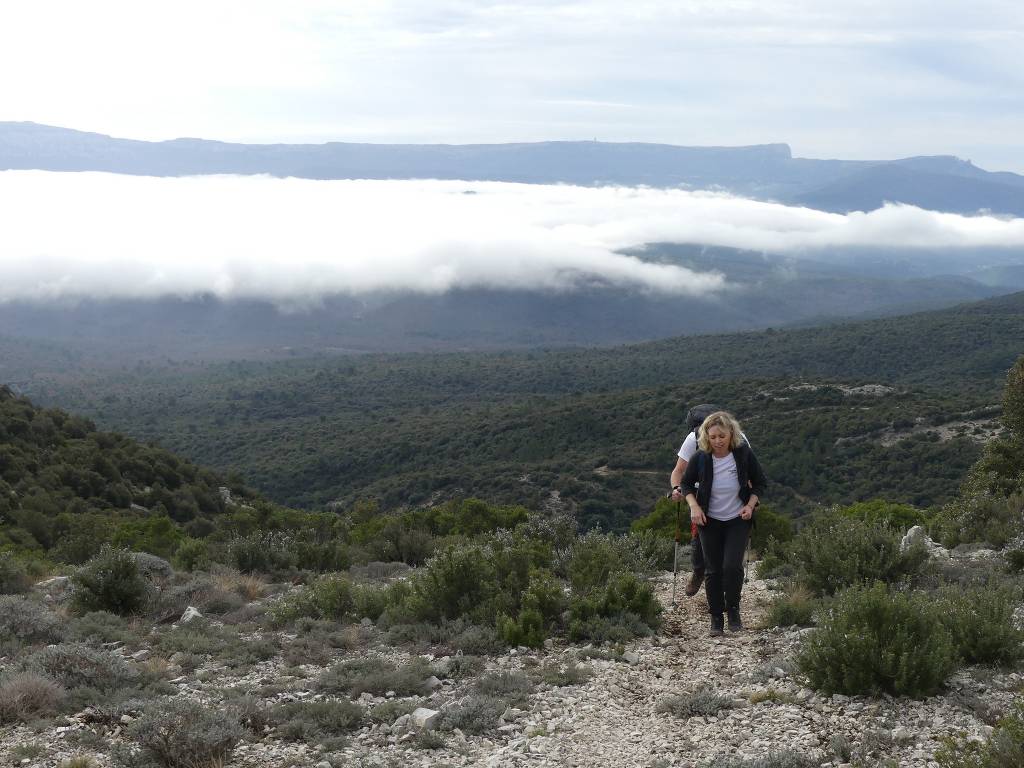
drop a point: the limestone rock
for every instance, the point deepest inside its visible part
(425, 719)
(190, 613)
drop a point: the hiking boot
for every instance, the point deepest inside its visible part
(735, 625)
(717, 626)
(693, 585)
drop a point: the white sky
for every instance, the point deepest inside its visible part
(295, 240)
(869, 79)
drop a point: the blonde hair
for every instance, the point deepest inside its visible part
(727, 422)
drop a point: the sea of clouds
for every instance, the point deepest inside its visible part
(99, 235)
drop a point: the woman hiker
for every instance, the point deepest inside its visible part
(694, 418)
(722, 486)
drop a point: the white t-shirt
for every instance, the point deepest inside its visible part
(725, 503)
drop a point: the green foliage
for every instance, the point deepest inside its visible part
(623, 607)
(27, 621)
(178, 733)
(980, 621)
(665, 519)
(782, 759)
(78, 666)
(27, 696)
(376, 676)
(317, 722)
(156, 535)
(1005, 748)
(881, 512)
(111, 581)
(686, 705)
(796, 607)
(1013, 400)
(874, 641)
(474, 714)
(833, 552)
(193, 554)
(594, 558)
(769, 525)
(14, 575)
(459, 580)
(542, 605)
(329, 597)
(980, 516)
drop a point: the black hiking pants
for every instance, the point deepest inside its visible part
(697, 554)
(724, 544)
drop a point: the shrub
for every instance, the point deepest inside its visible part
(513, 687)
(261, 553)
(392, 709)
(14, 576)
(112, 582)
(797, 607)
(474, 714)
(784, 759)
(329, 597)
(769, 525)
(560, 675)
(200, 591)
(980, 515)
(542, 604)
(835, 552)
(376, 676)
(594, 559)
(1005, 748)
(27, 621)
(316, 721)
(457, 581)
(625, 602)
(901, 517)
(872, 641)
(99, 627)
(193, 554)
(980, 621)
(177, 733)
(1015, 560)
(685, 705)
(78, 666)
(26, 696)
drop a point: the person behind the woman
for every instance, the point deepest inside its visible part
(722, 485)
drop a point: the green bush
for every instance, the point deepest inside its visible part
(376, 676)
(1005, 748)
(14, 575)
(329, 597)
(769, 525)
(980, 515)
(1015, 560)
(177, 733)
(27, 621)
(783, 759)
(459, 580)
(872, 641)
(542, 605)
(980, 621)
(193, 555)
(835, 552)
(111, 582)
(901, 517)
(796, 607)
(625, 603)
(594, 558)
(474, 714)
(685, 705)
(513, 687)
(318, 722)
(78, 666)
(28, 696)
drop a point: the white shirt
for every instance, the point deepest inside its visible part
(725, 503)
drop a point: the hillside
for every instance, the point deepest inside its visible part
(520, 426)
(761, 171)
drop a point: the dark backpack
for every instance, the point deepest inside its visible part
(696, 415)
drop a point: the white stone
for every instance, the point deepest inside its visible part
(425, 719)
(190, 614)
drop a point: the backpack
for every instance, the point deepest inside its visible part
(696, 415)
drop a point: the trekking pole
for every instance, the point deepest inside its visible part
(675, 556)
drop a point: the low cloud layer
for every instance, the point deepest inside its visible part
(295, 240)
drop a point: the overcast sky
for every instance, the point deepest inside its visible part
(873, 79)
(296, 240)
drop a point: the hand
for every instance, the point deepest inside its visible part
(697, 515)
(677, 494)
(747, 512)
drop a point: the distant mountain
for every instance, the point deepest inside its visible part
(767, 172)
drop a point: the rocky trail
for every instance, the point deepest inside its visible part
(636, 709)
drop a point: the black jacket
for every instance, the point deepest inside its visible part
(701, 470)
